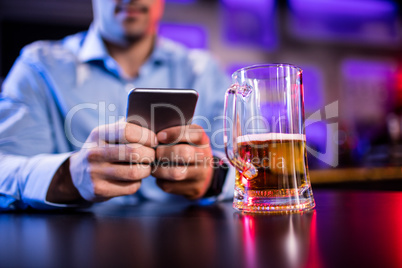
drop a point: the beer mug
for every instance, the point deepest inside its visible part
(265, 139)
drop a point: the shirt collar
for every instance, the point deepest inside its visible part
(93, 48)
(160, 52)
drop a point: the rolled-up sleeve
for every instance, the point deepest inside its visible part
(28, 154)
(24, 181)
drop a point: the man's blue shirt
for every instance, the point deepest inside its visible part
(57, 92)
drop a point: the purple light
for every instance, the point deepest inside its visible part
(316, 133)
(352, 8)
(313, 88)
(249, 23)
(368, 22)
(356, 68)
(265, 4)
(192, 36)
(316, 139)
(370, 82)
(368, 95)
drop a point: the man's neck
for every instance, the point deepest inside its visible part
(133, 55)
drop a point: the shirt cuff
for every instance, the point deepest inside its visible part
(39, 172)
(228, 185)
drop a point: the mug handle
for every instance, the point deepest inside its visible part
(231, 132)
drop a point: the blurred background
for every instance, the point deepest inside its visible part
(350, 51)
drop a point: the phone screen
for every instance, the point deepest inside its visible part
(157, 109)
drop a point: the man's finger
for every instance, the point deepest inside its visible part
(189, 188)
(120, 172)
(192, 134)
(137, 134)
(177, 172)
(179, 153)
(106, 189)
(133, 153)
(123, 132)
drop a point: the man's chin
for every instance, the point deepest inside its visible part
(126, 35)
(133, 33)
(123, 40)
(131, 38)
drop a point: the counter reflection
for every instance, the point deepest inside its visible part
(278, 240)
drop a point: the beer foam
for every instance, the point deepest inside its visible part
(271, 136)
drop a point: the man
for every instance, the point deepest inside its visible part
(61, 136)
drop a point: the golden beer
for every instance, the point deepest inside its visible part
(281, 164)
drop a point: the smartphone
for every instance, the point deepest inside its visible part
(160, 108)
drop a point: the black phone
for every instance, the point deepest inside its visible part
(160, 108)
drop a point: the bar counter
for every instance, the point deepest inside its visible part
(348, 228)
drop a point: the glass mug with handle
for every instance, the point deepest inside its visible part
(265, 139)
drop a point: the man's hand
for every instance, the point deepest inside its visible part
(184, 161)
(111, 163)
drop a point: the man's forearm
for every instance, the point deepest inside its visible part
(61, 189)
